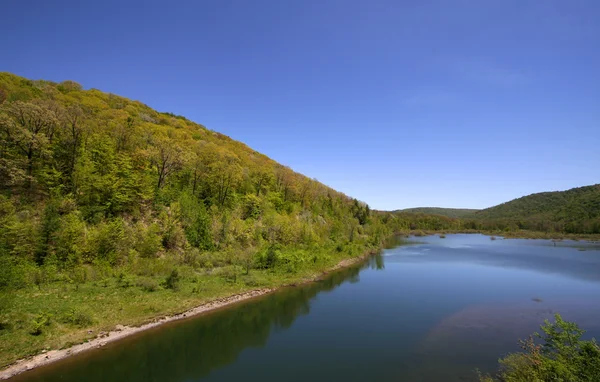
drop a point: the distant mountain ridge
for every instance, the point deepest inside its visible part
(448, 212)
(576, 211)
(570, 205)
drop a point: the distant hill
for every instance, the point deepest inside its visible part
(448, 212)
(573, 204)
(575, 210)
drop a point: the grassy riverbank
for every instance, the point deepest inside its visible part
(60, 314)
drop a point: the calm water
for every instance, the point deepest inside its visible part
(429, 310)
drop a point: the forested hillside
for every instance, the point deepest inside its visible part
(448, 212)
(114, 213)
(573, 211)
(93, 178)
(107, 203)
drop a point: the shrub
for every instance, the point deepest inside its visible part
(107, 241)
(77, 318)
(148, 240)
(230, 274)
(41, 321)
(251, 207)
(124, 280)
(173, 234)
(562, 356)
(172, 281)
(196, 222)
(148, 285)
(250, 280)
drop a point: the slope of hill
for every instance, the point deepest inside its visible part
(107, 201)
(448, 212)
(573, 211)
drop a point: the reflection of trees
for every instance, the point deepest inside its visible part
(191, 350)
(376, 262)
(394, 241)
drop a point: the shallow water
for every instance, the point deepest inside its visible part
(430, 309)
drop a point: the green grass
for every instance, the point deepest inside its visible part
(64, 313)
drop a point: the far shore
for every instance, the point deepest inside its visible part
(121, 331)
(522, 234)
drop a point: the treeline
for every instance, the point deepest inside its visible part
(96, 180)
(91, 182)
(574, 211)
(581, 226)
(448, 212)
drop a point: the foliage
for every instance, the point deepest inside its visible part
(122, 208)
(447, 212)
(561, 356)
(172, 281)
(77, 318)
(38, 324)
(90, 177)
(575, 211)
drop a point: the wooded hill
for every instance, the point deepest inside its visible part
(447, 212)
(573, 211)
(88, 177)
(114, 213)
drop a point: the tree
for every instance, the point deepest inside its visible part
(562, 356)
(261, 180)
(361, 212)
(225, 174)
(166, 158)
(70, 140)
(27, 130)
(124, 133)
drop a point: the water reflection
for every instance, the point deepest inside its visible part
(190, 350)
(430, 311)
(566, 259)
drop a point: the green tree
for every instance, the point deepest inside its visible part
(27, 128)
(561, 356)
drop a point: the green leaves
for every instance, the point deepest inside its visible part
(148, 186)
(562, 356)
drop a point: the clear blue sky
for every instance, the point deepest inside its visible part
(397, 103)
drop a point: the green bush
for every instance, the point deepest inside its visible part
(77, 318)
(41, 321)
(172, 281)
(148, 285)
(148, 240)
(124, 280)
(561, 356)
(106, 242)
(251, 207)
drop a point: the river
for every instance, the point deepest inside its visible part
(426, 309)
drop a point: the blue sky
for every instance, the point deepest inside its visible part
(397, 103)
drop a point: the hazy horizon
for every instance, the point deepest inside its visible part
(462, 105)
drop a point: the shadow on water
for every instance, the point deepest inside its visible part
(191, 349)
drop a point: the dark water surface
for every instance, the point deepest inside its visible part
(430, 310)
